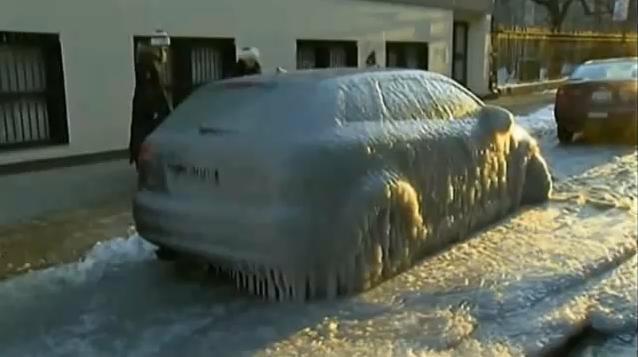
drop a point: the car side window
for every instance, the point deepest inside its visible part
(425, 98)
(404, 98)
(407, 98)
(357, 102)
(455, 101)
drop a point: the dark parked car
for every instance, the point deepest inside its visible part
(598, 99)
(317, 183)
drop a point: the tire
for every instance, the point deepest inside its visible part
(166, 254)
(564, 136)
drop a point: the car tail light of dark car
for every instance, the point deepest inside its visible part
(566, 93)
(628, 93)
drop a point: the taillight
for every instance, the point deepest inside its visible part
(627, 94)
(563, 93)
(145, 153)
(150, 173)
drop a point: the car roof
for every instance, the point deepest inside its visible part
(612, 60)
(332, 74)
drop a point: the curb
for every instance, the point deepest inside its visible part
(528, 88)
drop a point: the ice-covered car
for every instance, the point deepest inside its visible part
(320, 183)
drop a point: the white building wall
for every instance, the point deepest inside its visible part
(478, 66)
(97, 46)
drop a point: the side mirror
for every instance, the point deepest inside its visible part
(496, 119)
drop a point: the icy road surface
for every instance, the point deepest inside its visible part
(519, 288)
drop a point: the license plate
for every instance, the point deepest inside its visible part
(192, 175)
(601, 96)
(597, 115)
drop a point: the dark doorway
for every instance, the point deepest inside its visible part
(195, 61)
(459, 53)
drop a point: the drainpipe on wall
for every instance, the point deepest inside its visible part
(493, 82)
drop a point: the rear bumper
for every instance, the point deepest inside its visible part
(599, 121)
(212, 231)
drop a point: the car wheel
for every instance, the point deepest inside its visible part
(564, 136)
(165, 254)
(391, 237)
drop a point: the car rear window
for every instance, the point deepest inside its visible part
(237, 105)
(606, 71)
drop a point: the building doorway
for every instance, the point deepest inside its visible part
(459, 53)
(193, 62)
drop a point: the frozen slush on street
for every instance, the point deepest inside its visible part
(319, 183)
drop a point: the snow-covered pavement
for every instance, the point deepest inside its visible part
(519, 288)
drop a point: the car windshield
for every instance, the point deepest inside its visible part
(606, 71)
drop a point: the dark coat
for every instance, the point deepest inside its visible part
(241, 69)
(150, 104)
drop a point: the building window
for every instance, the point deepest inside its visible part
(412, 55)
(32, 95)
(326, 54)
(195, 61)
(459, 57)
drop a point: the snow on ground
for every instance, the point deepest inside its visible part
(519, 288)
(540, 122)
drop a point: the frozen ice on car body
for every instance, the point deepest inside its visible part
(318, 183)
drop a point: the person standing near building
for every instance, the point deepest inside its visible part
(247, 62)
(151, 102)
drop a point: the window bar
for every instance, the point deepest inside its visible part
(200, 64)
(41, 107)
(28, 82)
(195, 64)
(43, 113)
(209, 64)
(4, 88)
(204, 65)
(212, 60)
(22, 82)
(35, 69)
(5, 130)
(15, 89)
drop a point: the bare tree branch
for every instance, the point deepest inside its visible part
(557, 10)
(608, 5)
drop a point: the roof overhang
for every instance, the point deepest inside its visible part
(482, 6)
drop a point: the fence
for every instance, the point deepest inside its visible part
(530, 55)
(32, 105)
